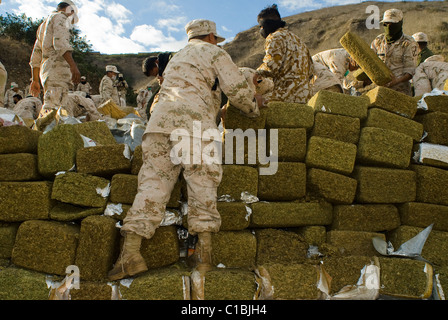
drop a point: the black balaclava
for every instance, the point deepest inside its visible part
(393, 31)
(270, 26)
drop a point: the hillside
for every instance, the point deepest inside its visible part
(319, 29)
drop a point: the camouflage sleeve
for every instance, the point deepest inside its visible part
(234, 84)
(410, 57)
(61, 34)
(107, 88)
(421, 82)
(273, 57)
(36, 55)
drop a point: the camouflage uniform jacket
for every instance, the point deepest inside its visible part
(28, 108)
(9, 98)
(53, 40)
(108, 90)
(430, 75)
(86, 87)
(288, 62)
(400, 57)
(192, 82)
(337, 60)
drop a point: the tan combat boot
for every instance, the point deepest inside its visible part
(130, 262)
(203, 252)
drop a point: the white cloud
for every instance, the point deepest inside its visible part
(155, 40)
(173, 24)
(35, 9)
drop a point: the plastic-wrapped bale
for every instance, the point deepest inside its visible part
(21, 284)
(291, 144)
(68, 212)
(158, 284)
(18, 167)
(8, 233)
(98, 131)
(288, 183)
(339, 103)
(162, 249)
(224, 284)
(333, 187)
(81, 189)
(235, 119)
(392, 101)
(331, 155)
(435, 125)
(382, 147)
(236, 180)
(97, 247)
(90, 290)
(344, 271)
(45, 246)
(234, 215)
(118, 211)
(288, 282)
(20, 201)
(137, 160)
(431, 184)
(18, 139)
(289, 115)
(366, 58)
(380, 118)
(434, 250)
(290, 214)
(419, 214)
(365, 217)
(279, 246)
(406, 278)
(123, 189)
(434, 155)
(354, 243)
(234, 249)
(384, 185)
(313, 235)
(57, 150)
(104, 161)
(337, 127)
(436, 103)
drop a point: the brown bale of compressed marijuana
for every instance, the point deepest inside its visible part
(8, 233)
(360, 75)
(92, 290)
(69, 212)
(229, 284)
(162, 249)
(237, 179)
(337, 127)
(234, 249)
(384, 185)
(137, 160)
(339, 103)
(437, 103)
(288, 282)
(236, 119)
(354, 243)
(290, 214)
(431, 184)
(366, 58)
(20, 201)
(419, 214)
(381, 118)
(435, 124)
(98, 131)
(313, 235)
(406, 278)
(234, 215)
(57, 150)
(287, 184)
(97, 247)
(21, 284)
(104, 161)
(291, 144)
(18, 139)
(18, 167)
(392, 101)
(81, 189)
(333, 187)
(279, 246)
(289, 115)
(382, 147)
(434, 155)
(45, 246)
(365, 217)
(331, 155)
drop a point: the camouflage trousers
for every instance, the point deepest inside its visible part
(156, 180)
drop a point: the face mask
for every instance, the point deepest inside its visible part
(270, 26)
(114, 77)
(83, 82)
(393, 31)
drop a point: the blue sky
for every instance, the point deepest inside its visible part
(120, 26)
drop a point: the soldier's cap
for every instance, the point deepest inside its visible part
(83, 78)
(75, 9)
(420, 37)
(112, 69)
(14, 85)
(202, 27)
(392, 15)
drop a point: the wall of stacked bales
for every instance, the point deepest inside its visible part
(349, 169)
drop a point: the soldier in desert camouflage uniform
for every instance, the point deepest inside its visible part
(78, 105)
(430, 75)
(108, 90)
(3, 78)
(28, 108)
(397, 50)
(192, 79)
(10, 93)
(52, 60)
(287, 60)
(84, 86)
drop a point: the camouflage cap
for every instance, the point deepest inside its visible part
(202, 27)
(392, 15)
(112, 69)
(420, 37)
